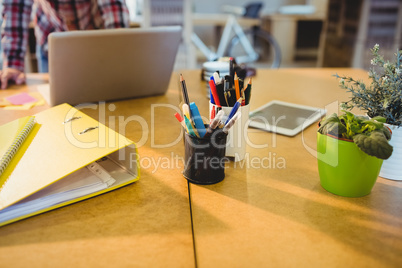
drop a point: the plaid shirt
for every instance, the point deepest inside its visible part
(54, 16)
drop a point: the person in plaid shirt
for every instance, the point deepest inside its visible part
(50, 16)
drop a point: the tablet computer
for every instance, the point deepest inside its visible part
(284, 117)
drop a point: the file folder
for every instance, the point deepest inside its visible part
(67, 157)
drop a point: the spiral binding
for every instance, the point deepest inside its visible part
(12, 150)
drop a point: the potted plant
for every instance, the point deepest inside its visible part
(351, 150)
(382, 97)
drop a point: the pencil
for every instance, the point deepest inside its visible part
(184, 90)
(247, 92)
(236, 83)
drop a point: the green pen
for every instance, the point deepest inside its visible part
(189, 127)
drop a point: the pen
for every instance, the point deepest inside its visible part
(227, 82)
(198, 123)
(231, 122)
(220, 91)
(226, 98)
(234, 109)
(211, 97)
(189, 127)
(214, 92)
(181, 120)
(231, 97)
(212, 113)
(186, 112)
(217, 119)
(184, 90)
(217, 79)
(214, 123)
(231, 70)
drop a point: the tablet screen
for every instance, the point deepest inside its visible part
(284, 118)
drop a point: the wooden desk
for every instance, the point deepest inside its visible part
(281, 217)
(255, 217)
(146, 224)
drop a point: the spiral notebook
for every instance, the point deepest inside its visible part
(12, 136)
(65, 157)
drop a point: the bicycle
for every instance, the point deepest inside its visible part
(252, 46)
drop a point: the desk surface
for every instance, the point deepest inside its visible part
(277, 215)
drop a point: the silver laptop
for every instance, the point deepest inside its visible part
(104, 65)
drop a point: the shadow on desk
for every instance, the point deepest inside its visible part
(136, 209)
(276, 200)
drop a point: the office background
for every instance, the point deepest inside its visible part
(336, 34)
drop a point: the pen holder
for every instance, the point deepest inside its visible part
(236, 140)
(205, 158)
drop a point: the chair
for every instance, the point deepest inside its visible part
(252, 10)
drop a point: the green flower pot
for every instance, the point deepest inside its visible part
(344, 169)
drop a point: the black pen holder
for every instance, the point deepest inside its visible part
(205, 158)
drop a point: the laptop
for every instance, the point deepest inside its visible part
(113, 64)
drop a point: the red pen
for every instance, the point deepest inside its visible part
(214, 92)
(180, 119)
(213, 112)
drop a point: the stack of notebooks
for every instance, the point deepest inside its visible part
(58, 157)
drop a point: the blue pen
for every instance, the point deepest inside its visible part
(234, 109)
(198, 123)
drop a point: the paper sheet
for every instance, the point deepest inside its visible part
(20, 99)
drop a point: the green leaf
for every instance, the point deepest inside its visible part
(332, 125)
(374, 124)
(336, 129)
(355, 128)
(374, 144)
(350, 116)
(361, 118)
(380, 119)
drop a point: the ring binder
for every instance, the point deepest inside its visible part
(88, 129)
(62, 170)
(71, 119)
